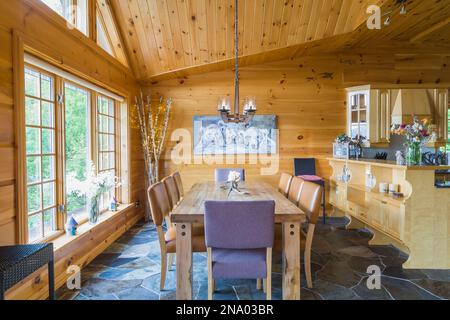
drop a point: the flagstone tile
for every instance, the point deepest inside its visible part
(439, 288)
(332, 291)
(137, 293)
(401, 289)
(130, 269)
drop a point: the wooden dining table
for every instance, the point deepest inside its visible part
(191, 210)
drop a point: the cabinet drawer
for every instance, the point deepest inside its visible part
(353, 209)
(362, 214)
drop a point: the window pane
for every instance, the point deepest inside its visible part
(34, 198)
(111, 143)
(111, 108)
(103, 124)
(102, 105)
(73, 14)
(48, 168)
(48, 141)
(49, 194)
(104, 161)
(46, 87)
(33, 169)
(32, 86)
(49, 221)
(77, 147)
(102, 39)
(111, 125)
(47, 114)
(112, 160)
(32, 112)
(33, 140)
(34, 228)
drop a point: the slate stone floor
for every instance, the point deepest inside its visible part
(130, 268)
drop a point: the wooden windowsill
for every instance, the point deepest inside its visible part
(65, 239)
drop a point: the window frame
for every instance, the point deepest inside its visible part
(56, 128)
(73, 16)
(59, 83)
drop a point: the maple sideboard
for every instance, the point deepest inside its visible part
(417, 220)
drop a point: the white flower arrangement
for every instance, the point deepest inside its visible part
(94, 185)
(234, 176)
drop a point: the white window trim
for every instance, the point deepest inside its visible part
(63, 74)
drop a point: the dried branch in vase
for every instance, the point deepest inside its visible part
(152, 122)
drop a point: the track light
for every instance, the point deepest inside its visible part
(387, 21)
(403, 10)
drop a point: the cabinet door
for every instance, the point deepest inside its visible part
(395, 220)
(440, 114)
(377, 213)
(380, 115)
(358, 116)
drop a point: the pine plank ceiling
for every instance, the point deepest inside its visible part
(168, 35)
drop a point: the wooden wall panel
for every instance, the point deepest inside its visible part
(307, 94)
(306, 104)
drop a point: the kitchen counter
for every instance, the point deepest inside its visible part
(417, 223)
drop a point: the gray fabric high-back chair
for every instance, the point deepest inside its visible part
(239, 236)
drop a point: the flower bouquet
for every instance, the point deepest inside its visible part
(416, 136)
(92, 188)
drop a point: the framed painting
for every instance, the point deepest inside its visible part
(213, 136)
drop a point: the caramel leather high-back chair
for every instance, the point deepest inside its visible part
(309, 201)
(295, 190)
(172, 191)
(285, 183)
(159, 203)
(177, 177)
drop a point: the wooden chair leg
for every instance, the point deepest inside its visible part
(264, 285)
(269, 274)
(307, 257)
(170, 260)
(258, 284)
(163, 271)
(210, 277)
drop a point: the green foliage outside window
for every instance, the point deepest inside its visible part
(77, 143)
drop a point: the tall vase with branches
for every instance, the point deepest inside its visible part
(152, 122)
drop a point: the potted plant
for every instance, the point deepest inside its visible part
(92, 188)
(417, 134)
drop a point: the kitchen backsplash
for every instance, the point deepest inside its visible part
(396, 143)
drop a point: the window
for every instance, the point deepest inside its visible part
(67, 124)
(74, 11)
(77, 144)
(106, 141)
(102, 38)
(40, 153)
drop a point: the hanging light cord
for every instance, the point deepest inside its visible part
(236, 78)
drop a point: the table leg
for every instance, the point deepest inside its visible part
(184, 261)
(291, 261)
(51, 280)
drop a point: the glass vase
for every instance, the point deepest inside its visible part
(94, 210)
(413, 154)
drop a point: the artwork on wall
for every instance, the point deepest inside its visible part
(213, 136)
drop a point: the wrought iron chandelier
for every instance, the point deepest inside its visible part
(249, 102)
